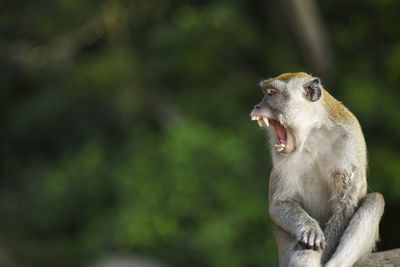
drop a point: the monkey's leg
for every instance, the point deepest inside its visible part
(292, 254)
(361, 234)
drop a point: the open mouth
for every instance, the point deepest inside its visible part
(281, 131)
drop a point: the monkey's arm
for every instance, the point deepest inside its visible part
(291, 217)
(335, 227)
(287, 213)
(345, 204)
(361, 233)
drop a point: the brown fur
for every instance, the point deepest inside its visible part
(336, 110)
(290, 75)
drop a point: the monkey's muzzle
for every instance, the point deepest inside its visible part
(284, 145)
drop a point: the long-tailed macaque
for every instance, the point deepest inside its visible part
(318, 190)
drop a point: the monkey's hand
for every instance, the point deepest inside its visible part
(311, 236)
(290, 216)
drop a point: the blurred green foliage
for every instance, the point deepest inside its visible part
(125, 124)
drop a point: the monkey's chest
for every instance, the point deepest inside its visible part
(314, 196)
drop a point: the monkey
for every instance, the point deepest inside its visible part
(318, 197)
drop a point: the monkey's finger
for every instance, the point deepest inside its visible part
(304, 239)
(318, 242)
(311, 240)
(323, 243)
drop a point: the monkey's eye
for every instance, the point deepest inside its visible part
(270, 92)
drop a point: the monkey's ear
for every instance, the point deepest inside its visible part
(313, 90)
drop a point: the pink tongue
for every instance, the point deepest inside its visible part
(281, 132)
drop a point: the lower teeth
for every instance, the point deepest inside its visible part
(280, 147)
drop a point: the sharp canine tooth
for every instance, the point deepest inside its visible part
(266, 121)
(259, 121)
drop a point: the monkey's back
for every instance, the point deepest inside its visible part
(343, 117)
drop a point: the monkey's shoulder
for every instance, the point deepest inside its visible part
(337, 112)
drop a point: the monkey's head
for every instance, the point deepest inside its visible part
(290, 105)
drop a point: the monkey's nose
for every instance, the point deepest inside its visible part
(257, 107)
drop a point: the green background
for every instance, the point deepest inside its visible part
(125, 124)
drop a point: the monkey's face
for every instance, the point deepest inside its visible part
(287, 106)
